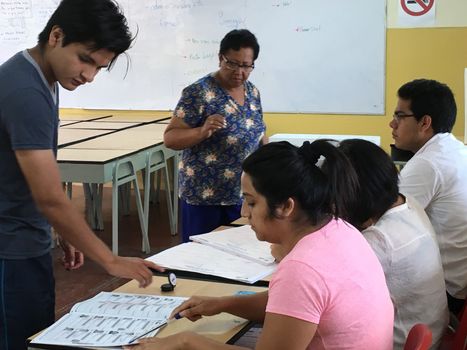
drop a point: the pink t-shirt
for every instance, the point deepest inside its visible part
(332, 278)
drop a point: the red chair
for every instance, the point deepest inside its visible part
(419, 338)
(457, 340)
(460, 336)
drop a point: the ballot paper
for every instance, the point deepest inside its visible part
(205, 259)
(240, 241)
(110, 320)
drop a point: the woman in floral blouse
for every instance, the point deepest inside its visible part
(217, 123)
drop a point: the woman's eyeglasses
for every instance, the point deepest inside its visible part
(234, 65)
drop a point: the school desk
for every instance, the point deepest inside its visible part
(100, 125)
(240, 221)
(68, 137)
(224, 327)
(68, 122)
(116, 158)
(81, 117)
(141, 118)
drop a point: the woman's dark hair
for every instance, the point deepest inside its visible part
(378, 180)
(280, 171)
(237, 39)
(97, 23)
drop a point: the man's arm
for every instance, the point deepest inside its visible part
(419, 179)
(40, 169)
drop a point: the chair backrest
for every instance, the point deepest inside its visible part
(460, 336)
(419, 338)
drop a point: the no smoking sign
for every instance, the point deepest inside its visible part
(417, 7)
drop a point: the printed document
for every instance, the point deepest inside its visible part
(110, 320)
(239, 241)
(205, 259)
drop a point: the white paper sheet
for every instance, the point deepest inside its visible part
(110, 320)
(201, 258)
(239, 241)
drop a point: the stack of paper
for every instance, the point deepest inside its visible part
(110, 320)
(233, 253)
(240, 241)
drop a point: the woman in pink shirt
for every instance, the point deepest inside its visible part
(329, 291)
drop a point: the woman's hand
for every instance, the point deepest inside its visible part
(180, 341)
(173, 342)
(212, 124)
(197, 307)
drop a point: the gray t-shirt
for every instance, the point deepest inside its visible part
(28, 121)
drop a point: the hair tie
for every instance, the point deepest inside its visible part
(310, 153)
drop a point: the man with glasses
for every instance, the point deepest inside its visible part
(437, 174)
(217, 123)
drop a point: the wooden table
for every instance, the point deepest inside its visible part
(100, 125)
(81, 116)
(68, 122)
(224, 327)
(241, 221)
(116, 157)
(126, 118)
(68, 137)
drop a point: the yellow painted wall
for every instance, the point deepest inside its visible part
(436, 53)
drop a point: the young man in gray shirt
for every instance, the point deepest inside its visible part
(81, 37)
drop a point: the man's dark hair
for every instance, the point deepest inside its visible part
(97, 23)
(430, 97)
(238, 39)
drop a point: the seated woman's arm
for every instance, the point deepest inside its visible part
(251, 307)
(285, 332)
(279, 331)
(179, 135)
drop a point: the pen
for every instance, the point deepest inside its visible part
(176, 317)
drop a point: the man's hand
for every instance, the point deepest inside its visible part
(133, 268)
(72, 259)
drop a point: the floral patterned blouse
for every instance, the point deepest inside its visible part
(210, 171)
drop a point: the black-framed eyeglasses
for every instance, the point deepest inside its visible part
(234, 65)
(398, 116)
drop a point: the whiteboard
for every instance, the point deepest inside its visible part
(317, 56)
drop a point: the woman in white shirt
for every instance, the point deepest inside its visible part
(400, 233)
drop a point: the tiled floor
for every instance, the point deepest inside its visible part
(73, 286)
